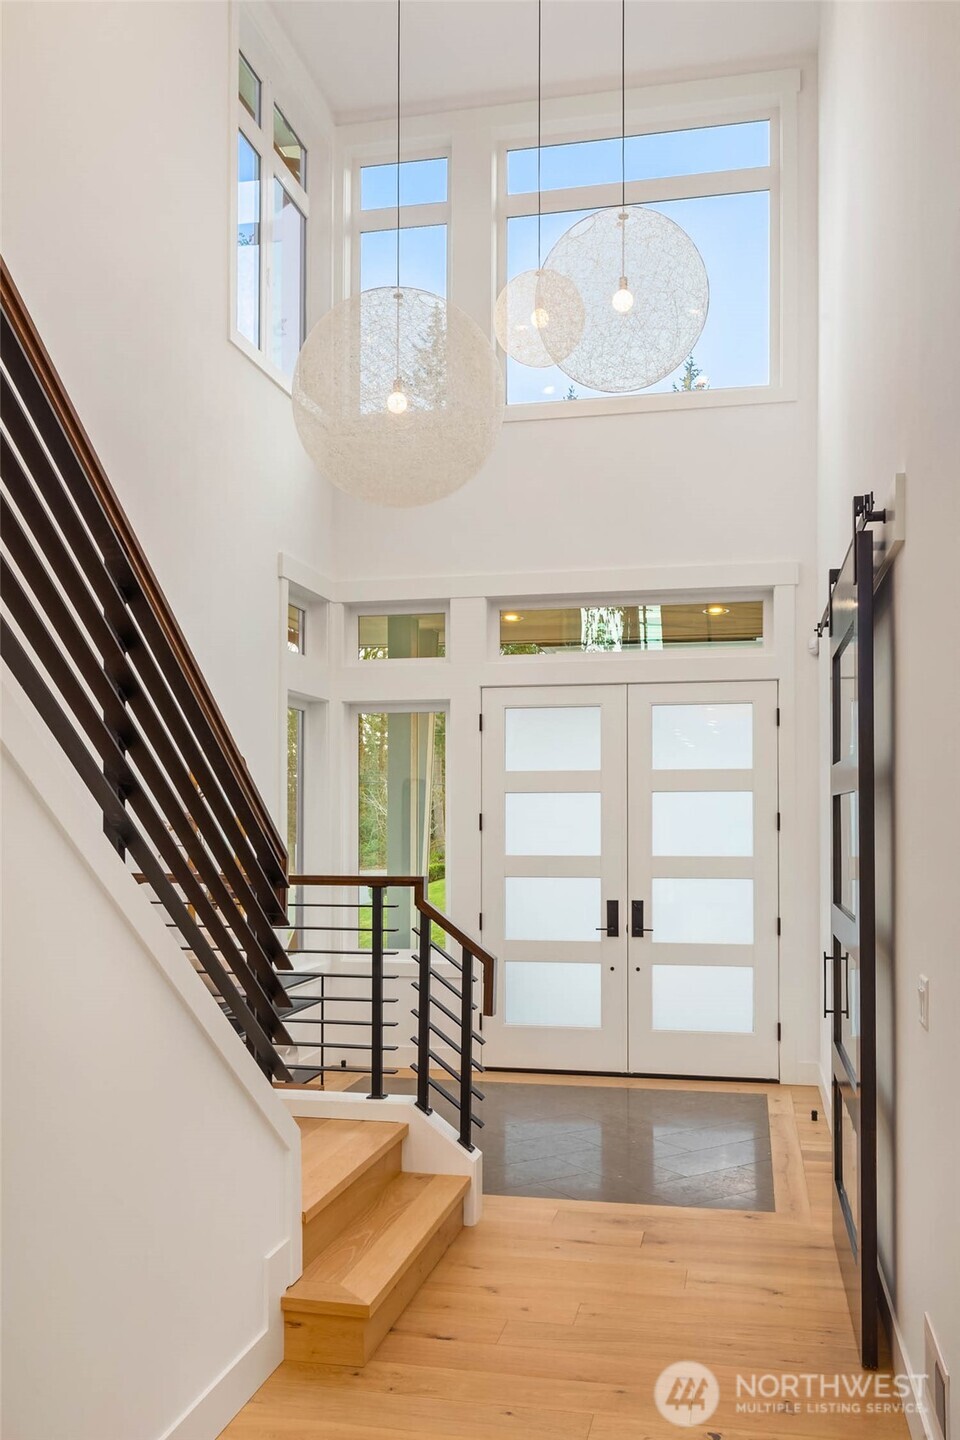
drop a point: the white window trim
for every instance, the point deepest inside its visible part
(590, 657)
(476, 142)
(282, 82)
(360, 222)
(351, 768)
(352, 616)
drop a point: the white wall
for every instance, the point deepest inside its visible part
(566, 504)
(890, 304)
(117, 146)
(151, 1202)
(622, 490)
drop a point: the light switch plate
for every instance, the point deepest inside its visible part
(923, 1000)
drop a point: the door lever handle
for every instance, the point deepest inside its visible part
(637, 927)
(612, 927)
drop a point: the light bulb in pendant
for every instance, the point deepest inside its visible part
(539, 319)
(622, 300)
(397, 400)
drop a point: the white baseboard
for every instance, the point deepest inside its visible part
(212, 1411)
(801, 1072)
(431, 1146)
(917, 1420)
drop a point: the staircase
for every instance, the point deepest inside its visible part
(372, 1233)
(90, 638)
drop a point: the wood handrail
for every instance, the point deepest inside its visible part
(131, 553)
(417, 884)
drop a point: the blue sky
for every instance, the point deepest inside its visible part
(732, 233)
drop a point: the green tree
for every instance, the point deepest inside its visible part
(692, 378)
(428, 379)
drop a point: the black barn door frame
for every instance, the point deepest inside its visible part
(850, 966)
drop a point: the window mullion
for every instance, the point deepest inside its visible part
(266, 214)
(296, 192)
(412, 217)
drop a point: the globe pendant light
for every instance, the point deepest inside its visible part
(642, 282)
(536, 302)
(398, 396)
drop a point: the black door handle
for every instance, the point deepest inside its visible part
(612, 927)
(637, 927)
(826, 957)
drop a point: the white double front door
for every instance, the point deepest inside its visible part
(630, 878)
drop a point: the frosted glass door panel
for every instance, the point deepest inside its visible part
(709, 998)
(544, 993)
(549, 907)
(703, 822)
(561, 737)
(703, 912)
(550, 823)
(702, 737)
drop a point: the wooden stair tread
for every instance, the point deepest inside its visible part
(360, 1268)
(334, 1153)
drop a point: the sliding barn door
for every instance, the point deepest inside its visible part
(850, 967)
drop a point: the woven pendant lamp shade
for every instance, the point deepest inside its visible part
(398, 396)
(531, 304)
(659, 280)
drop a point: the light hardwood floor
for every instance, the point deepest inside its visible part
(552, 1320)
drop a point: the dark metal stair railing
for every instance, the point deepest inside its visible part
(92, 641)
(53, 438)
(455, 1032)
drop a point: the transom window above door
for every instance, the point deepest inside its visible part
(573, 629)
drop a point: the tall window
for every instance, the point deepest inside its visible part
(423, 222)
(401, 816)
(272, 210)
(295, 727)
(715, 182)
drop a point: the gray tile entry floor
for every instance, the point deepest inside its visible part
(708, 1148)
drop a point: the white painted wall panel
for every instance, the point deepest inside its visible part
(890, 298)
(150, 1175)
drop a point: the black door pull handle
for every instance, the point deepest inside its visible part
(637, 927)
(612, 927)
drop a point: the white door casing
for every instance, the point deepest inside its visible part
(703, 847)
(555, 852)
(597, 794)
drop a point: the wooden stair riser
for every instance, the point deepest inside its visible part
(325, 1226)
(311, 1338)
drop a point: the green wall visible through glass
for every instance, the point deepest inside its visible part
(402, 809)
(401, 637)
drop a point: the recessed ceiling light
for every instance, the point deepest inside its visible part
(717, 610)
(511, 616)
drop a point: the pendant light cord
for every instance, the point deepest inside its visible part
(397, 337)
(398, 144)
(539, 125)
(623, 104)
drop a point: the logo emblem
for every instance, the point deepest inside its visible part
(686, 1394)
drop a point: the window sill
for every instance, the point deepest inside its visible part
(639, 404)
(283, 382)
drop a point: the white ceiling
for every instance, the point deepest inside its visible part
(460, 53)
